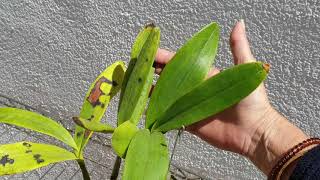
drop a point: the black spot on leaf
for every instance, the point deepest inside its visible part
(102, 105)
(6, 160)
(114, 83)
(28, 151)
(139, 80)
(92, 116)
(37, 157)
(79, 134)
(163, 144)
(26, 144)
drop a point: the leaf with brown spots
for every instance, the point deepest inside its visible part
(96, 101)
(25, 156)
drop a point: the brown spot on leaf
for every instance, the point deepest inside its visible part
(6, 160)
(37, 157)
(150, 25)
(96, 92)
(87, 133)
(77, 121)
(26, 144)
(266, 67)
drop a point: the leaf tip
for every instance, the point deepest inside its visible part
(266, 67)
(151, 25)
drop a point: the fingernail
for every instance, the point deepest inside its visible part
(242, 23)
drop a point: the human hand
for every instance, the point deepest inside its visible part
(252, 127)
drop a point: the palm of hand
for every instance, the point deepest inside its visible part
(232, 129)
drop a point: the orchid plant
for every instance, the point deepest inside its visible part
(183, 95)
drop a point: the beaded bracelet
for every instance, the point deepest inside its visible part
(274, 173)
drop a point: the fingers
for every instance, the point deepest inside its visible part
(163, 56)
(213, 72)
(239, 44)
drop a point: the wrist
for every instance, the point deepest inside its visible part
(274, 136)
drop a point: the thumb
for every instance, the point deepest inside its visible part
(239, 44)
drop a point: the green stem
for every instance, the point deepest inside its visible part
(84, 170)
(116, 168)
(175, 144)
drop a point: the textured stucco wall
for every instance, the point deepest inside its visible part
(51, 50)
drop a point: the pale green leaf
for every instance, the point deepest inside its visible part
(122, 136)
(36, 122)
(147, 157)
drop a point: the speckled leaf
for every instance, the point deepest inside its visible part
(213, 96)
(36, 122)
(136, 49)
(147, 157)
(106, 85)
(188, 68)
(122, 136)
(93, 125)
(25, 156)
(136, 91)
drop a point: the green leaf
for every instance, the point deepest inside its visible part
(140, 79)
(106, 85)
(187, 69)
(122, 136)
(213, 96)
(36, 122)
(136, 49)
(25, 156)
(93, 126)
(147, 157)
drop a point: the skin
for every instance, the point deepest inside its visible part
(252, 128)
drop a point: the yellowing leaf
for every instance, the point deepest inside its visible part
(25, 156)
(107, 84)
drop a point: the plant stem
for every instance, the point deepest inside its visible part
(175, 144)
(84, 170)
(116, 168)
